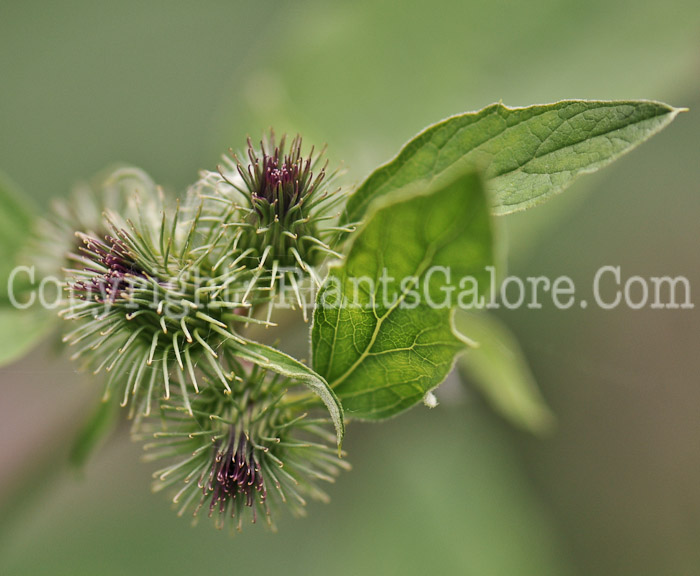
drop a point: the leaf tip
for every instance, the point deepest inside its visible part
(545, 426)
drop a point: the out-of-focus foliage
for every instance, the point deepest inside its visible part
(16, 220)
(498, 368)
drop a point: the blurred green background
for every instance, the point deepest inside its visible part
(168, 86)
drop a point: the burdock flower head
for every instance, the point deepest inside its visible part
(235, 474)
(276, 212)
(279, 182)
(242, 454)
(142, 311)
(114, 265)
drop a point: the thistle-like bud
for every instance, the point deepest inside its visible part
(143, 312)
(275, 211)
(242, 454)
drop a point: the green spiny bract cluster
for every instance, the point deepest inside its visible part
(248, 450)
(274, 212)
(160, 295)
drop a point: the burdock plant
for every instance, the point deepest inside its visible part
(172, 302)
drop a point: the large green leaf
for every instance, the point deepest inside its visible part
(380, 347)
(498, 369)
(528, 154)
(277, 361)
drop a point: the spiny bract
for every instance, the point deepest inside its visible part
(239, 454)
(273, 211)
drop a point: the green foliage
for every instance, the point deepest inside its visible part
(383, 347)
(21, 332)
(498, 369)
(16, 220)
(22, 329)
(527, 154)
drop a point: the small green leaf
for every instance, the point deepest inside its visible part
(95, 431)
(528, 154)
(16, 221)
(499, 370)
(382, 347)
(277, 361)
(21, 331)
